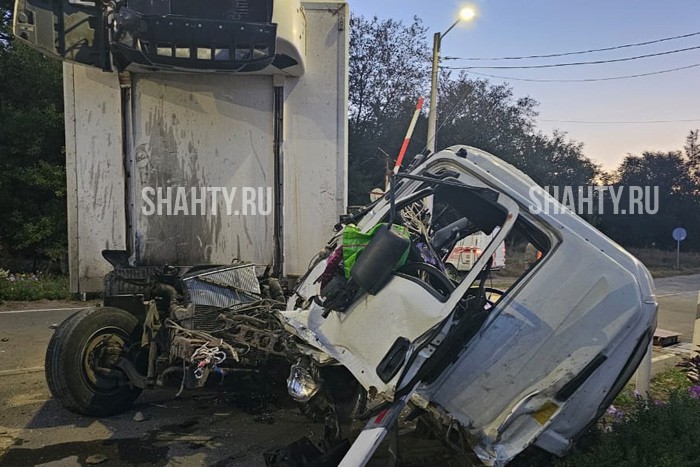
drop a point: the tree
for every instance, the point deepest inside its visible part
(667, 171)
(32, 162)
(483, 115)
(389, 69)
(6, 8)
(388, 63)
(692, 152)
(488, 116)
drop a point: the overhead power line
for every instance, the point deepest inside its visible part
(620, 122)
(579, 52)
(585, 80)
(556, 65)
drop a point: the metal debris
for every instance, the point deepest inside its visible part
(96, 459)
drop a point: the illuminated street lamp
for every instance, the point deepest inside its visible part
(465, 14)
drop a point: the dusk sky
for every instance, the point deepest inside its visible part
(535, 27)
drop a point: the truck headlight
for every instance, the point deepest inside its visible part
(303, 382)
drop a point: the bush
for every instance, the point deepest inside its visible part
(33, 287)
(635, 431)
(652, 433)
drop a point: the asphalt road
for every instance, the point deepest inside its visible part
(678, 301)
(219, 427)
(204, 427)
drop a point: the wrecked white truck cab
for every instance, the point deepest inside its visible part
(493, 363)
(500, 370)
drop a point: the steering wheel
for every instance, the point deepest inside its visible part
(441, 282)
(489, 292)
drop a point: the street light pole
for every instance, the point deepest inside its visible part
(466, 14)
(432, 115)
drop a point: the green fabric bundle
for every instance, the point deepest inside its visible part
(355, 241)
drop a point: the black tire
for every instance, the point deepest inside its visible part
(345, 393)
(69, 375)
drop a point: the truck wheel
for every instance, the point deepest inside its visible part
(81, 357)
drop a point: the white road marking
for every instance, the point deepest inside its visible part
(40, 309)
(676, 293)
(662, 357)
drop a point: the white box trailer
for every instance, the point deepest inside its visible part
(262, 111)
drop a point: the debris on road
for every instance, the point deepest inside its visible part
(665, 338)
(96, 459)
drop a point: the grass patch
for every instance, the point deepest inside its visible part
(27, 287)
(662, 263)
(663, 385)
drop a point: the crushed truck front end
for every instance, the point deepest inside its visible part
(536, 363)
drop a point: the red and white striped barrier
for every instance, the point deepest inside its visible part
(409, 133)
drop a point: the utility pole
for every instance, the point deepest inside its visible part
(432, 116)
